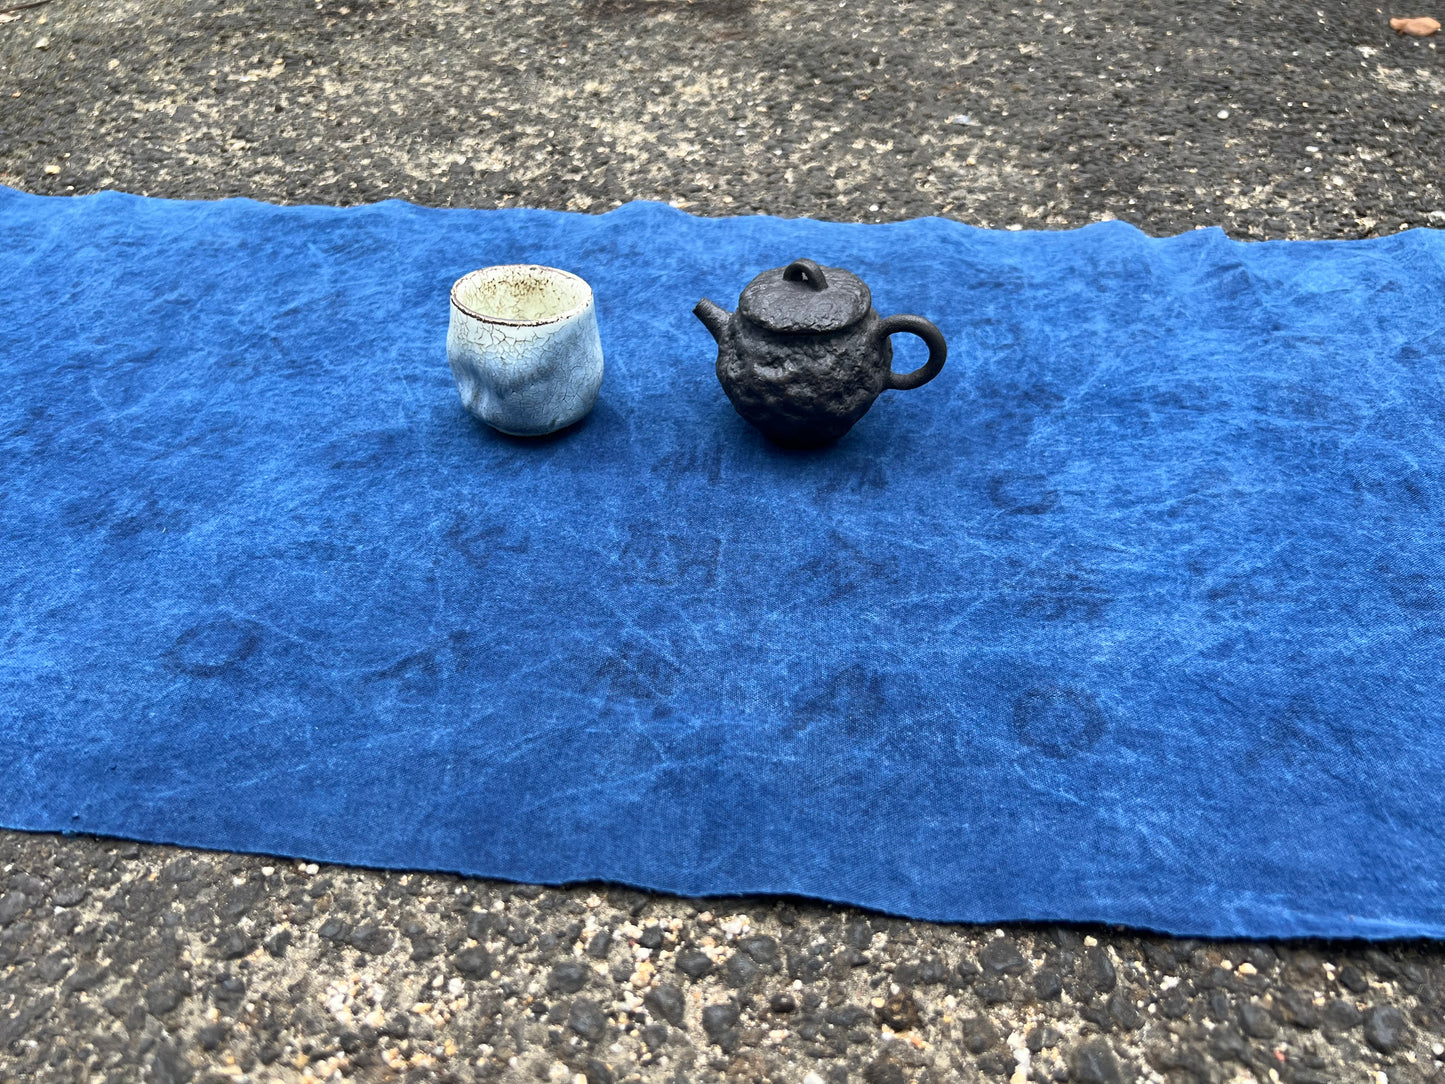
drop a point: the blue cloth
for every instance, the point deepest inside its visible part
(1136, 614)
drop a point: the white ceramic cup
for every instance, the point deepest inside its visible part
(524, 348)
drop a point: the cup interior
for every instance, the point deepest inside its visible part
(521, 294)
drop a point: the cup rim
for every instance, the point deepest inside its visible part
(552, 271)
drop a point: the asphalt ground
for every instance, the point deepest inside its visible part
(123, 962)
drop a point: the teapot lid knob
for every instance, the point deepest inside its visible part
(806, 271)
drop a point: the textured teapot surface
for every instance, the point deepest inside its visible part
(805, 299)
(806, 355)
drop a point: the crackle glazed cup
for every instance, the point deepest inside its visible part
(524, 348)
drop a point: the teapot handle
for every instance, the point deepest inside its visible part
(937, 351)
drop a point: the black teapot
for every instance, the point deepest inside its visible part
(806, 354)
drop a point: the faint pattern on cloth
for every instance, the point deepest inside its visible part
(1134, 616)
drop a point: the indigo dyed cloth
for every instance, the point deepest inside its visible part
(1136, 614)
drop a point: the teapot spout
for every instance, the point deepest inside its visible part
(714, 317)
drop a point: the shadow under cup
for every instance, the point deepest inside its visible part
(524, 348)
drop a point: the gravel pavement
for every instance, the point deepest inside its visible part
(124, 962)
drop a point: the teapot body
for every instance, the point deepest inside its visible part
(806, 354)
(803, 391)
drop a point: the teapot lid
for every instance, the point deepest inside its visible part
(804, 298)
